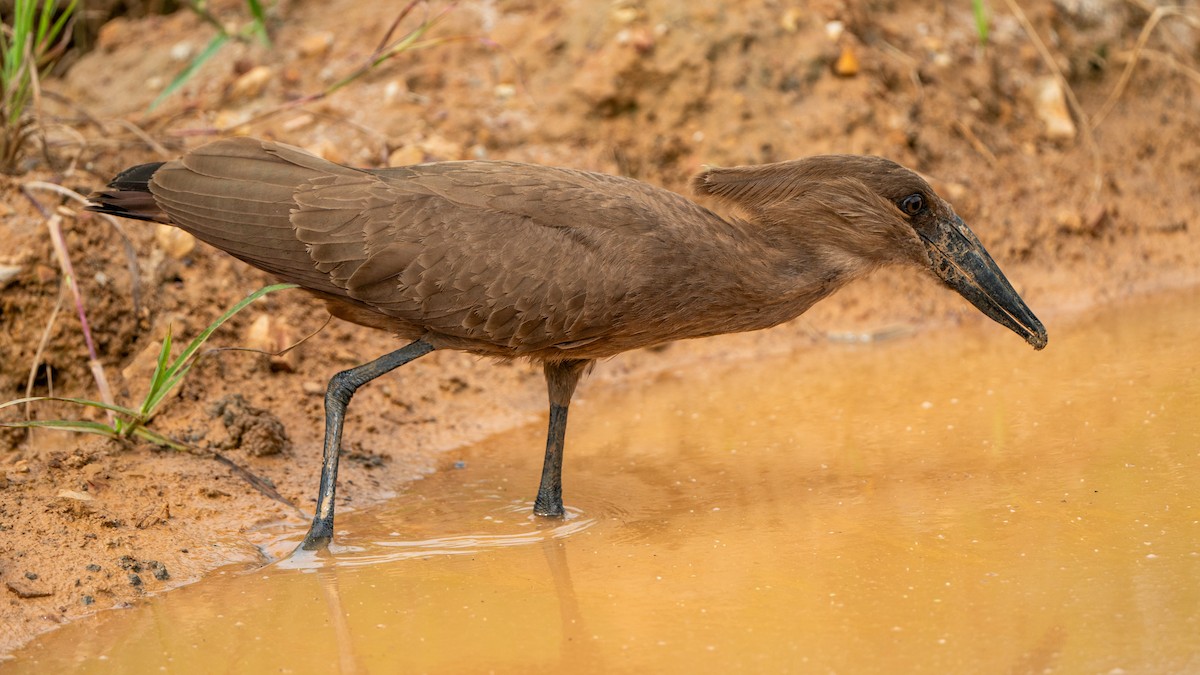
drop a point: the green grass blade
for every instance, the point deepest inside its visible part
(43, 20)
(260, 20)
(47, 35)
(256, 10)
(22, 21)
(981, 20)
(178, 369)
(80, 426)
(159, 378)
(15, 63)
(66, 15)
(165, 378)
(78, 401)
(159, 439)
(213, 45)
(30, 46)
(8, 68)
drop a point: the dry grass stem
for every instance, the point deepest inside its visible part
(54, 227)
(978, 145)
(41, 348)
(1084, 128)
(1156, 16)
(77, 141)
(913, 65)
(131, 260)
(1163, 58)
(146, 138)
(281, 352)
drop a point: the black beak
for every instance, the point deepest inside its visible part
(957, 258)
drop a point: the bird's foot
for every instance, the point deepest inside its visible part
(319, 535)
(548, 508)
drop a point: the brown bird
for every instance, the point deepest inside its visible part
(559, 266)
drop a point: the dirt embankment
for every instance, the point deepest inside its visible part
(1078, 210)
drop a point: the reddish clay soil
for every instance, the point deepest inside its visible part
(1078, 211)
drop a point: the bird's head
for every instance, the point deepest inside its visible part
(854, 213)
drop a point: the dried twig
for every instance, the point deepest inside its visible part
(103, 125)
(80, 144)
(1156, 16)
(281, 352)
(41, 348)
(965, 130)
(131, 260)
(264, 487)
(146, 138)
(63, 100)
(54, 226)
(913, 65)
(1163, 58)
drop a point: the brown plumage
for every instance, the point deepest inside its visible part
(560, 266)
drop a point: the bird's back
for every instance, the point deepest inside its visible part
(493, 257)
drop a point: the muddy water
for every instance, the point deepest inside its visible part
(950, 503)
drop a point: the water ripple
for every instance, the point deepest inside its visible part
(506, 525)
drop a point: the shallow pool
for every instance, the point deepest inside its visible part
(953, 502)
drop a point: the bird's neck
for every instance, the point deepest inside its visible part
(765, 278)
(797, 270)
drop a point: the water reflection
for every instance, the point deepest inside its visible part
(952, 503)
(511, 524)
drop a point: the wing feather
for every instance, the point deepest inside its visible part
(505, 256)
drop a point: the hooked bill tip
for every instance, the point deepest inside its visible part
(1037, 337)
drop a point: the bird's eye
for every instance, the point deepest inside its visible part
(912, 204)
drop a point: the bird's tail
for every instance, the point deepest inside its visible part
(128, 195)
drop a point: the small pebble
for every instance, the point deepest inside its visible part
(298, 122)
(273, 335)
(834, 30)
(252, 83)
(790, 21)
(160, 571)
(440, 148)
(847, 63)
(181, 51)
(1051, 104)
(76, 495)
(7, 273)
(315, 44)
(326, 149)
(135, 580)
(394, 90)
(173, 241)
(626, 15)
(405, 156)
(93, 568)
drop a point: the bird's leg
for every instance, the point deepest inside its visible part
(561, 378)
(337, 396)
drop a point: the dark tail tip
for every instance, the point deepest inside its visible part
(128, 195)
(136, 177)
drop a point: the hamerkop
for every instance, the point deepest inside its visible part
(559, 266)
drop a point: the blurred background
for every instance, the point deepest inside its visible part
(1064, 132)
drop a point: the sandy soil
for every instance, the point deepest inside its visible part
(1076, 217)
